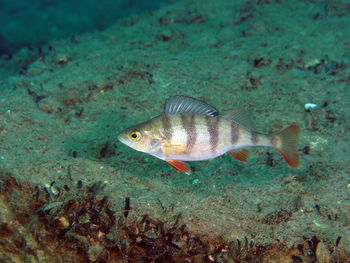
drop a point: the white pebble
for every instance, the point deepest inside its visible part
(310, 105)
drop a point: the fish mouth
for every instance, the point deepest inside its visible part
(120, 138)
(123, 140)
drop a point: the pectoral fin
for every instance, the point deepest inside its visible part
(178, 165)
(240, 154)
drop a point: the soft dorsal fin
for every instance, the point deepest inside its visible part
(240, 116)
(183, 104)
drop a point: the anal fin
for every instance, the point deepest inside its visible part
(178, 165)
(239, 155)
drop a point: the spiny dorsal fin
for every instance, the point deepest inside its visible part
(240, 116)
(183, 104)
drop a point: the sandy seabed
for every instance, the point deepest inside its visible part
(62, 108)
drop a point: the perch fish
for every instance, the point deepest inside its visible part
(191, 130)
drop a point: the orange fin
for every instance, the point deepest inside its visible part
(178, 165)
(240, 154)
(287, 148)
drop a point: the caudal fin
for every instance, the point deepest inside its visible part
(287, 144)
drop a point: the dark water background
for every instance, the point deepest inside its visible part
(31, 23)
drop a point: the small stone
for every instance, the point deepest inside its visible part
(322, 253)
(71, 96)
(49, 105)
(94, 252)
(64, 222)
(165, 35)
(36, 68)
(62, 59)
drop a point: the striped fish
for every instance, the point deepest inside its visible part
(191, 130)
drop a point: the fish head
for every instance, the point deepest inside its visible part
(140, 138)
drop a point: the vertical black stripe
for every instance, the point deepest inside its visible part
(213, 130)
(188, 123)
(234, 133)
(254, 138)
(167, 130)
(273, 141)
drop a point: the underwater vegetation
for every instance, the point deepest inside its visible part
(77, 224)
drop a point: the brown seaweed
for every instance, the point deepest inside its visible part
(77, 224)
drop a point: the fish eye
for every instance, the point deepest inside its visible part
(135, 135)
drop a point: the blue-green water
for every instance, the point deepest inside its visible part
(33, 23)
(73, 75)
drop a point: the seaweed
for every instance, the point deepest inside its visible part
(77, 223)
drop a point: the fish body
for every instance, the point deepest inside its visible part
(191, 130)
